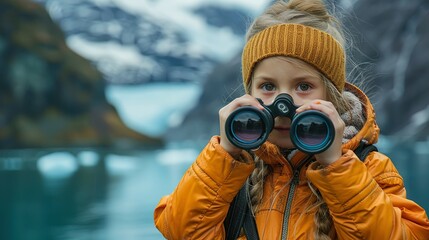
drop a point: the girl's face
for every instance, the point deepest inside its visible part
(276, 75)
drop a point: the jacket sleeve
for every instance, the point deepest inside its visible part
(199, 204)
(368, 200)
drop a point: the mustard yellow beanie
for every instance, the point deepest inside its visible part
(311, 45)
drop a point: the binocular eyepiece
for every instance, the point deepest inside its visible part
(310, 131)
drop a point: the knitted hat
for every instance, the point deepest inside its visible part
(311, 45)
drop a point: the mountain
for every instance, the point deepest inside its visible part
(134, 42)
(393, 37)
(58, 56)
(391, 41)
(49, 95)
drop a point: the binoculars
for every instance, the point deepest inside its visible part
(248, 127)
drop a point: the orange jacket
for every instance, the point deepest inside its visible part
(367, 200)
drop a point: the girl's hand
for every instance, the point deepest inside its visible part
(245, 100)
(333, 153)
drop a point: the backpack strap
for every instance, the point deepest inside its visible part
(240, 216)
(249, 225)
(235, 218)
(364, 149)
(239, 213)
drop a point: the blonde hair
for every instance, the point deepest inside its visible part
(312, 13)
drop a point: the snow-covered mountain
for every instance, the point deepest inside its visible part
(150, 41)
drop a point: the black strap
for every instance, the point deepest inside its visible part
(240, 216)
(235, 218)
(364, 149)
(249, 226)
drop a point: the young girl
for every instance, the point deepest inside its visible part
(297, 48)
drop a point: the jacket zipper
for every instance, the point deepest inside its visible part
(294, 183)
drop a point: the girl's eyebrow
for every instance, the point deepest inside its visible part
(264, 77)
(307, 75)
(304, 77)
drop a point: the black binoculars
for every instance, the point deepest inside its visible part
(248, 127)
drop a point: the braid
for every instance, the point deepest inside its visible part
(257, 183)
(323, 222)
(324, 229)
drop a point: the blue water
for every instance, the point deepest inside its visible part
(100, 195)
(94, 195)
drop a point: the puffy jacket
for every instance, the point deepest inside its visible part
(366, 199)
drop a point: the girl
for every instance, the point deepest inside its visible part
(296, 48)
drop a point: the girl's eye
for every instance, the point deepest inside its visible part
(304, 87)
(268, 87)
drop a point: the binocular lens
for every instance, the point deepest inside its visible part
(313, 132)
(247, 127)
